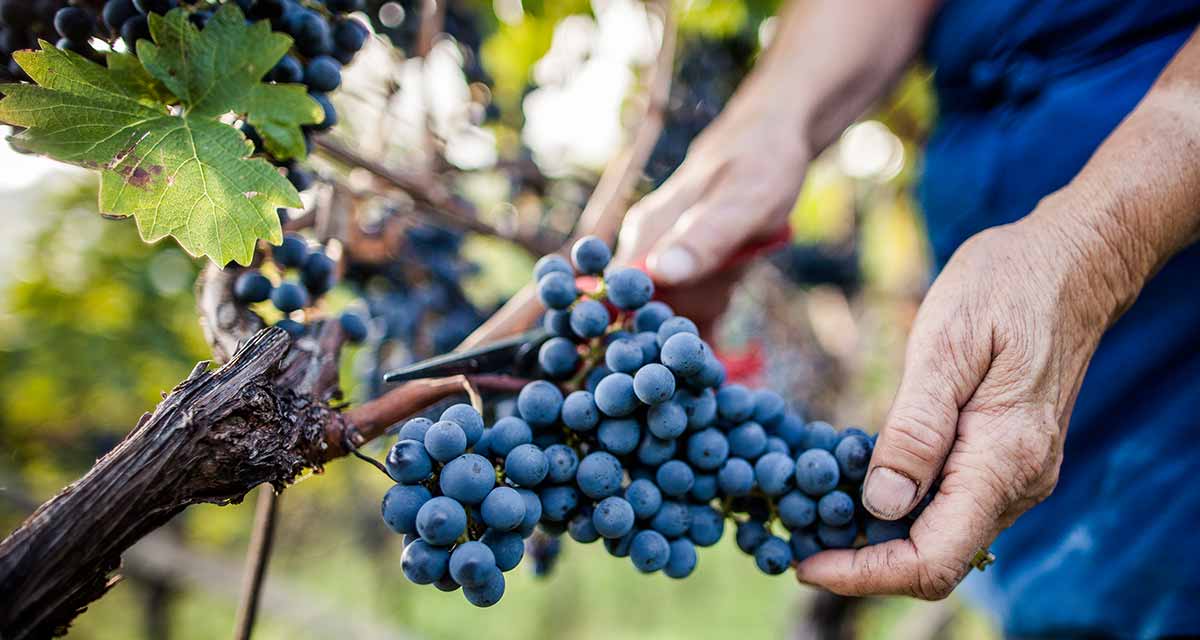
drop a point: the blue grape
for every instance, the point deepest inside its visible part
(667, 420)
(773, 556)
(707, 526)
(423, 563)
(589, 319)
(804, 546)
(329, 116)
(251, 286)
(774, 472)
(407, 462)
(353, 326)
(748, 441)
(649, 551)
(712, 374)
(654, 384)
(563, 463)
(836, 508)
(682, 560)
(551, 263)
(441, 520)
(579, 412)
(654, 451)
(507, 547)
(488, 593)
(582, 529)
(881, 531)
(796, 510)
(736, 477)
(777, 445)
(615, 396)
(672, 519)
(590, 255)
(651, 316)
(769, 407)
(593, 378)
(508, 433)
(751, 534)
(816, 472)
(644, 497)
(648, 341)
(317, 273)
(792, 431)
(445, 441)
(705, 487)
(557, 290)
(291, 252)
(503, 509)
(400, 506)
(684, 354)
(468, 478)
(734, 403)
(288, 70)
(619, 547)
(415, 429)
(619, 436)
(674, 325)
(289, 297)
(558, 322)
(533, 511)
(853, 454)
(675, 478)
(853, 431)
(625, 355)
(349, 35)
(323, 73)
(629, 288)
(484, 446)
(821, 435)
(707, 450)
(832, 537)
(613, 517)
(558, 357)
(446, 583)
(558, 502)
(701, 408)
(472, 563)
(294, 329)
(599, 475)
(526, 465)
(468, 418)
(539, 403)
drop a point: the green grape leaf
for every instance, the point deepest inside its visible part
(158, 130)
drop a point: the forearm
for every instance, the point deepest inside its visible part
(831, 59)
(1137, 201)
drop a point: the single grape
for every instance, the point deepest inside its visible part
(445, 441)
(507, 433)
(707, 449)
(751, 534)
(624, 355)
(881, 531)
(769, 407)
(672, 326)
(613, 517)
(579, 412)
(589, 319)
(526, 465)
(590, 255)
(488, 593)
(796, 510)
(667, 420)
(773, 472)
(649, 551)
(836, 508)
(619, 547)
(736, 477)
(533, 511)
(615, 395)
(707, 526)
(407, 462)
(619, 436)
(777, 445)
(682, 560)
(628, 288)
(654, 384)
(301, 178)
(675, 478)
(804, 545)
(74, 23)
(705, 487)
(317, 273)
(294, 329)
(684, 354)
(559, 358)
(507, 547)
(648, 341)
(582, 529)
(748, 441)
(349, 35)
(594, 377)
(503, 509)
(323, 73)
(558, 322)
(441, 520)
(134, 29)
(415, 429)
(792, 431)
(401, 504)
(773, 556)
(853, 454)
(289, 297)
(672, 519)
(651, 316)
(817, 472)
(557, 290)
(832, 537)
(558, 502)
(654, 451)
(291, 252)
(644, 498)
(552, 263)
(472, 563)
(712, 374)
(116, 12)
(446, 583)
(423, 563)
(734, 403)
(353, 326)
(288, 70)
(563, 463)
(821, 435)
(466, 417)
(599, 475)
(250, 287)
(467, 478)
(539, 403)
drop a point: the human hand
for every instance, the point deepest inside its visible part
(994, 363)
(740, 179)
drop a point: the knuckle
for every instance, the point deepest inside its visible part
(936, 580)
(913, 432)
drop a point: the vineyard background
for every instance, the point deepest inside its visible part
(95, 325)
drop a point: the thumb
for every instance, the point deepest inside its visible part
(703, 239)
(944, 364)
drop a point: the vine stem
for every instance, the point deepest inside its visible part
(258, 555)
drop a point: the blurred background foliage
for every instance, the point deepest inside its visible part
(95, 325)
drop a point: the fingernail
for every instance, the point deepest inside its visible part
(673, 265)
(888, 493)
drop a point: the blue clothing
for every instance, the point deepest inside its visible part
(1027, 90)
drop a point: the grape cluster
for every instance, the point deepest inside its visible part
(631, 436)
(303, 276)
(325, 37)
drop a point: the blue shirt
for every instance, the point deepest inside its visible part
(1028, 89)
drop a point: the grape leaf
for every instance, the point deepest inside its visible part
(154, 129)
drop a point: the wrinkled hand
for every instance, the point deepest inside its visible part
(994, 363)
(738, 183)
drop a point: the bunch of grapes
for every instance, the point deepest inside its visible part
(303, 276)
(632, 437)
(325, 37)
